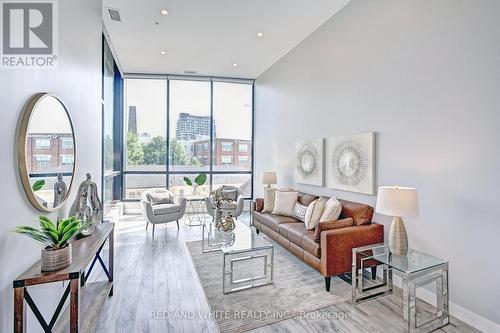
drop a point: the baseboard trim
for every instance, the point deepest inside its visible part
(457, 311)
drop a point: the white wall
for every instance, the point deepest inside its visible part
(424, 75)
(77, 82)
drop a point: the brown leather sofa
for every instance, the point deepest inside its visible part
(331, 251)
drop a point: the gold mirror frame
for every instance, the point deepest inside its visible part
(21, 152)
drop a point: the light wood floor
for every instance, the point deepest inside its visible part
(156, 281)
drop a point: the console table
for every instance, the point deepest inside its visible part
(85, 299)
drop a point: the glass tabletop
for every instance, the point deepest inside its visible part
(242, 238)
(194, 197)
(412, 262)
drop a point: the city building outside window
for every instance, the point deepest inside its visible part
(42, 160)
(243, 148)
(67, 159)
(243, 160)
(227, 147)
(67, 143)
(42, 143)
(226, 160)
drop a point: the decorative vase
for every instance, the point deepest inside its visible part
(54, 260)
(226, 223)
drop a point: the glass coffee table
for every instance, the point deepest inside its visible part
(416, 269)
(248, 259)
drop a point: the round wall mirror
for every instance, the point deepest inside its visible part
(46, 152)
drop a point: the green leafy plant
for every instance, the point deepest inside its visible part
(52, 235)
(187, 181)
(38, 185)
(199, 180)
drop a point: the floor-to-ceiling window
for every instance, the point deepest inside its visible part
(145, 146)
(111, 102)
(180, 127)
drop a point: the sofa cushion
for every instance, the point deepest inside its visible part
(284, 203)
(360, 213)
(299, 212)
(332, 210)
(297, 234)
(230, 195)
(310, 245)
(293, 232)
(306, 199)
(313, 213)
(163, 209)
(272, 221)
(159, 196)
(268, 200)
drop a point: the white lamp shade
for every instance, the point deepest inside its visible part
(397, 201)
(268, 177)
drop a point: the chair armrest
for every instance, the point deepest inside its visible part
(210, 207)
(240, 204)
(323, 226)
(182, 202)
(147, 209)
(337, 245)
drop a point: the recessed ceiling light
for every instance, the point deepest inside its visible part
(164, 12)
(163, 52)
(235, 65)
(260, 34)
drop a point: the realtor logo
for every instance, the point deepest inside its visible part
(29, 31)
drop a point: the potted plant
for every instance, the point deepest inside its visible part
(56, 253)
(38, 185)
(198, 181)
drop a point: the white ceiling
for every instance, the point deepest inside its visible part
(208, 36)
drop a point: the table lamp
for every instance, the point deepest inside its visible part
(397, 202)
(268, 178)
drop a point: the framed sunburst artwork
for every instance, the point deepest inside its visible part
(309, 160)
(350, 163)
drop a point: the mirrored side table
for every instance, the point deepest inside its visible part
(416, 269)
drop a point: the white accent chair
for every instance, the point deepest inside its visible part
(235, 206)
(163, 211)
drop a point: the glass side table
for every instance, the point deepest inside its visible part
(195, 210)
(415, 268)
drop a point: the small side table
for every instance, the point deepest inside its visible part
(195, 210)
(416, 269)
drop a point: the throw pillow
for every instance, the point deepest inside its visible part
(299, 212)
(306, 199)
(231, 195)
(284, 203)
(314, 211)
(332, 211)
(268, 200)
(160, 197)
(348, 222)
